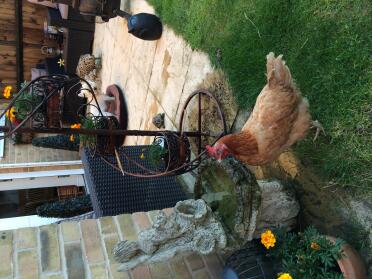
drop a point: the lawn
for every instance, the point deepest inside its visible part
(327, 45)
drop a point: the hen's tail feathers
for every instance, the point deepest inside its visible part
(278, 72)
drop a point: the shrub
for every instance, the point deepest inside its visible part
(57, 142)
(65, 208)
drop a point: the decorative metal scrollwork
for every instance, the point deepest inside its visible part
(31, 114)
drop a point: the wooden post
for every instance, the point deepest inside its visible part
(19, 42)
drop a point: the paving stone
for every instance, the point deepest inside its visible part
(141, 219)
(6, 248)
(98, 271)
(116, 274)
(107, 225)
(27, 264)
(160, 270)
(195, 262)
(202, 274)
(171, 62)
(74, 261)
(127, 227)
(50, 257)
(92, 241)
(54, 276)
(110, 242)
(70, 231)
(179, 268)
(140, 272)
(26, 238)
(213, 264)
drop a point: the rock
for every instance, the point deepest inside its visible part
(279, 207)
(234, 195)
(245, 206)
(190, 227)
(158, 120)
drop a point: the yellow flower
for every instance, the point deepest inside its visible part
(76, 126)
(315, 246)
(7, 92)
(10, 114)
(142, 156)
(61, 62)
(285, 276)
(268, 239)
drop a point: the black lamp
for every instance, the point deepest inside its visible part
(143, 25)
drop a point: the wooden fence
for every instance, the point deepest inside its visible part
(31, 29)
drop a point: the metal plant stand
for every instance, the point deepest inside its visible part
(36, 94)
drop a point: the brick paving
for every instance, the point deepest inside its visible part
(84, 250)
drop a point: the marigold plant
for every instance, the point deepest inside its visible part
(74, 126)
(305, 255)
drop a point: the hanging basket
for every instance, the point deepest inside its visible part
(176, 152)
(105, 145)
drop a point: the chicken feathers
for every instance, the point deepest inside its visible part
(279, 119)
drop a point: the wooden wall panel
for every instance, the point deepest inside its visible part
(33, 39)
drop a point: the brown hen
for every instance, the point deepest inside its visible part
(279, 119)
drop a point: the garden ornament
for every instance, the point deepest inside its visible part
(158, 120)
(191, 227)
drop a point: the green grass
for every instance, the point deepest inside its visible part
(327, 45)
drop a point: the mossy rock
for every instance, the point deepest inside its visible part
(232, 192)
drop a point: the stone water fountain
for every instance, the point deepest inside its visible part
(233, 208)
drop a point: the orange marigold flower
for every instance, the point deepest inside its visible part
(285, 276)
(76, 126)
(268, 239)
(11, 115)
(7, 92)
(315, 246)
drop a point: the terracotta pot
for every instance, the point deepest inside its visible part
(351, 264)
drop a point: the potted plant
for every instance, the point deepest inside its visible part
(311, 255)
(169, 152)
(103, 144)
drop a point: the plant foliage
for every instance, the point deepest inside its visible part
(57, 142)
(156, 154)
(308, 255)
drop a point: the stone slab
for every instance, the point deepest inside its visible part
(92, 241)
(50, 257)
(74, 261)
(6, 248)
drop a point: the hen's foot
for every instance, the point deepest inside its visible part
(319, 128)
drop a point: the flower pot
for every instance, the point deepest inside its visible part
(351, 264)
(249, 263)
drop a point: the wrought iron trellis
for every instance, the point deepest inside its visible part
(34, 97)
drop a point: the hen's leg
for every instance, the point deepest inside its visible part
(319, 128)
